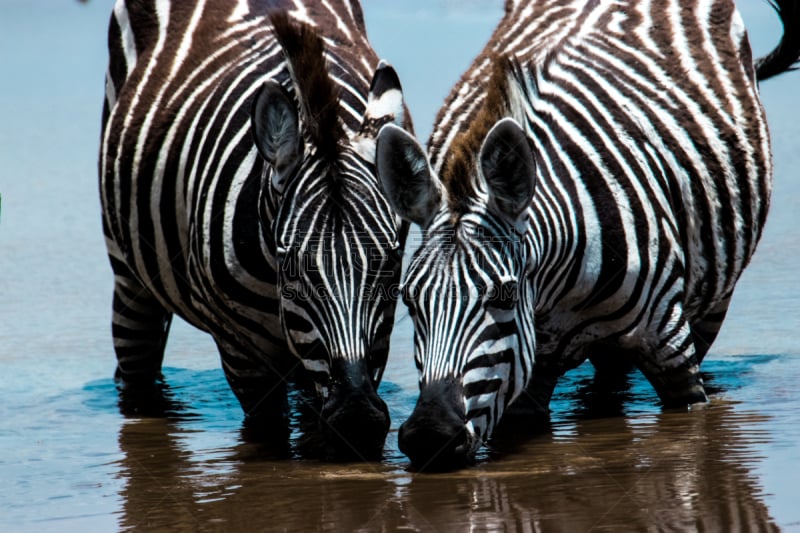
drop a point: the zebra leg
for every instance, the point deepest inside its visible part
(705, 330)
(530, 411)
(261, 391)
(605, 395)
(612, 367)
(670, 364)
(140, 326)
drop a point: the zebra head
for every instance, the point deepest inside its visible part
(338, 244)
(465, 287)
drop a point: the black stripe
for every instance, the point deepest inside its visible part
(477, 388)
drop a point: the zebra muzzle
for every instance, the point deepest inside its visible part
(354, 420)
(435, 436)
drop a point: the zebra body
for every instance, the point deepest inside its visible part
(597, 182)
(238, 190)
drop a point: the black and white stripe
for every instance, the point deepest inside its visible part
(600, 176)
(238, 188)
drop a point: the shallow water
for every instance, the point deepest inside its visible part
(70, 461)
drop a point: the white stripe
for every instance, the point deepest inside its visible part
(141, 135)
(111, 92)
(186, 42)
(339, 23)
(126, 34)
(240, 11)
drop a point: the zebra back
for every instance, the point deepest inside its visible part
(680, 98)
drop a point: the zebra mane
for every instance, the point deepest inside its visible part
(510, 5)
(316, 92)
(459, 166)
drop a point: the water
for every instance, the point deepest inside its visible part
(70, 461)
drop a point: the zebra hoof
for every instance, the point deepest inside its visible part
(149, 396)
(680, 387)
(523, 421)
(270, 427)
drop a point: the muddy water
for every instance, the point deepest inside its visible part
(70, 461)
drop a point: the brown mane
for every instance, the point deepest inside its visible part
(317, 94)
(460, 164)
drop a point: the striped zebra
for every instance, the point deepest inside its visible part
(238, 188)
(597, 182)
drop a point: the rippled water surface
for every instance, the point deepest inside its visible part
(70, 461)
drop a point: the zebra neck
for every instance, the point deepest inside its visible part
(562, 226)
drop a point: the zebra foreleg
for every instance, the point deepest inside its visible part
(140, 326)
(261, 389)
(705, 330)
(612, 367)
(606, 393)
(670, 364)
(530, 411)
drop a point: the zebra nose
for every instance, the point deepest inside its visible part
(435, 437)
(354, 420)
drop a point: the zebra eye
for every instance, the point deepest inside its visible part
(503, 296)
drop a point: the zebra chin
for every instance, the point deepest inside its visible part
(437, 437)
(354, 421)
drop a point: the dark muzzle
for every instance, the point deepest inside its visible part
(435, 437)
(354, 420)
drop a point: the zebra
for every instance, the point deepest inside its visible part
(238, 190)
(596, 183)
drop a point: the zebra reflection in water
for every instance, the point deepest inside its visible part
(677, 471)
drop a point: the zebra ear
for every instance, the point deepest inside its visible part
(406, 176)
(509, 169)
(276, 131)
(385, 100)
(384, 106)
